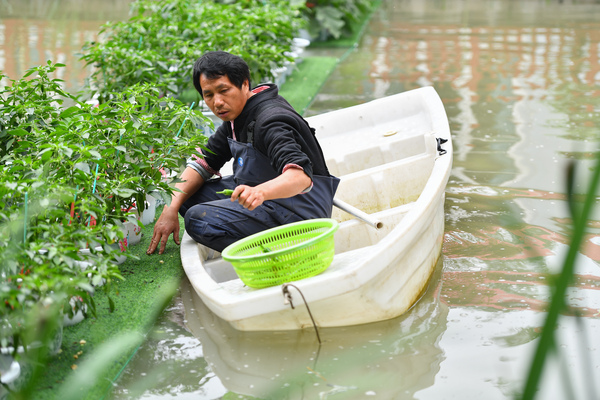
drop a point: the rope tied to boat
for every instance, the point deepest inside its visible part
(287, 295)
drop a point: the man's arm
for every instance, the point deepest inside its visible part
(291, 182)
(168, 222)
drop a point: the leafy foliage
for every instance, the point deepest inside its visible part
(68, 180)
(335, 17)
(160, 43)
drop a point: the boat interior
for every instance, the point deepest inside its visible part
(384, 152)
(390, 180)
(382, 181)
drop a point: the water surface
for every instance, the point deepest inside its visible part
(35, 31)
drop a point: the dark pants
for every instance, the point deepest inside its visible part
(216, 222)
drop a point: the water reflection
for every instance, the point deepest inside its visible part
(35, 31)
(352, 363)
(521, 85)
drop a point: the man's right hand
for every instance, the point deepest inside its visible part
(167, 223)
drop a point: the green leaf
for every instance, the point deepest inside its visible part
(330, 19)
(124, 192)
(111, 304)
(82, 166)
(172, 120)
(67, 151)
(86, 286)
(69, 111)
(18, 132)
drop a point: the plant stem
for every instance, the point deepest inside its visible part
(25, 221)
(93, 191)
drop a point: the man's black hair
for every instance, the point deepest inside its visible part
(215, 64)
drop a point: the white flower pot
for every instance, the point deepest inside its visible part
(9, 369)
(280, 75)
(133, 233)
(149, 212)
(119, 259)
(77, 317)
(298, 46)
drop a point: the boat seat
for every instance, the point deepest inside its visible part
(353, 159)
(385, 186)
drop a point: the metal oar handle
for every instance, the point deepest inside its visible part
(357, 213)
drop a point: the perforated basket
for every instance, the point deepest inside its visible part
(287, 253)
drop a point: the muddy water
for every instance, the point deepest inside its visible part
(521, 85)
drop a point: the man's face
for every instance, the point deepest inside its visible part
(223, 98)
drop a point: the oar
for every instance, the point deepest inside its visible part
(357, 213)
(342, 206)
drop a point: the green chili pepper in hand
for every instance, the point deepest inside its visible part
(226, 192)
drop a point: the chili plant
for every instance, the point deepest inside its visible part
(39, 257)
(112, 155)
(68, 177)
(161, 41)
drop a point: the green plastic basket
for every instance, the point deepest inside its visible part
(287, 253)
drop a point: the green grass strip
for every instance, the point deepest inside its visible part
(301, 87)
(149, 286)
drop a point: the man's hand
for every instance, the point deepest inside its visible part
(290, 183)
(167, 223)
(249, 197)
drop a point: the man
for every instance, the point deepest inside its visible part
(279, 172)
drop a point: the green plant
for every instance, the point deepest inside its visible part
(334, 17)
(160, 43)
(111, 155)
(39, 250)
(68, 178)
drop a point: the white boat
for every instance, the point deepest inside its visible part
(393, 167)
